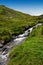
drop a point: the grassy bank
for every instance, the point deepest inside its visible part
(30, 52)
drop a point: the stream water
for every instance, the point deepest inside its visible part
(4, 53)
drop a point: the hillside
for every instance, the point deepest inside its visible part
(30, 52)
(13, 22)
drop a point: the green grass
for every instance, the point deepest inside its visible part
(15, 22)
(30, 52)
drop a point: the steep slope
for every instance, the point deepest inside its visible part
(13, 22)
(30, 52)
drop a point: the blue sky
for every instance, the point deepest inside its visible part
(33, 7)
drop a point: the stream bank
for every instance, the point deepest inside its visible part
(4, 53)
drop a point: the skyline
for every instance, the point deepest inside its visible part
(32, 7)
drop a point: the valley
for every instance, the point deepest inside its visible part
(21, 38)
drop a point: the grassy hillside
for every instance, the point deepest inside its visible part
(13, 22)
(30, 52)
